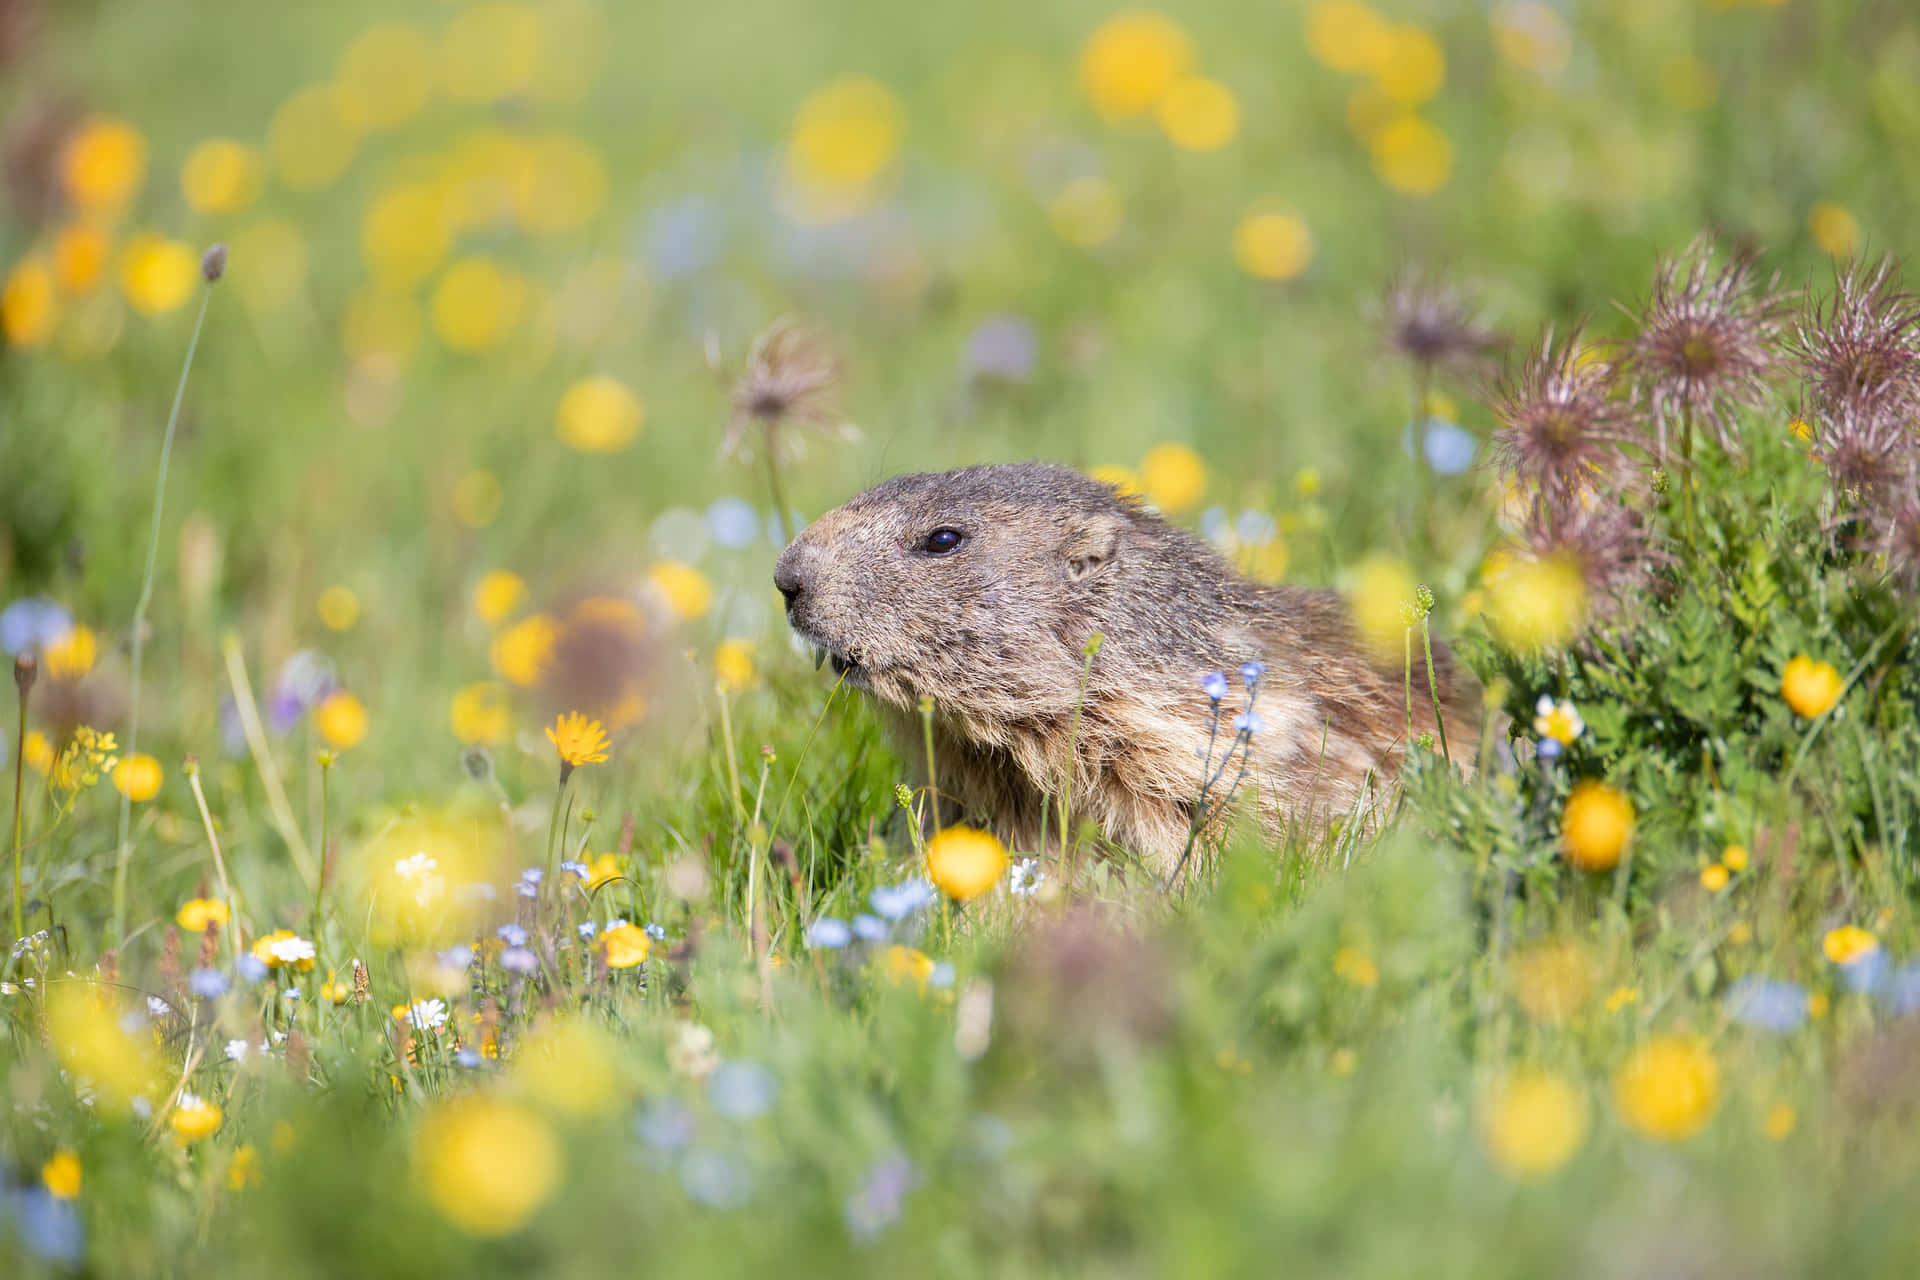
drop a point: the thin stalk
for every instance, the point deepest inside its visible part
(278, 810)
(733, 767)
(1687, 514)
(773, 484)
(320, 881)
(122, 849)
(933, 775)
(219, 863)
(1433, 690)
(23, 672)
(1406, 673)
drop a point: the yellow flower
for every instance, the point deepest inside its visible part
(385, 76)
(1532, 36)
(686, 590)
(1668, 1088)
(1714, 878)
(1132, 61)
(1810, 688)
(193, 1119)
(138, 777)
(28, 306)
(498, 594)
(578, 740)
(338, 608)
(480, 714)
(1273, 245)
(79, 257)
(733, 664)
(1780, 1121)
(1199, 114)
(61, 1175)
(1551, 981)
(1087, 212)
(1382, 592)
(1620, 997)
(406, 234)
(477, 499)
(1410, 66)
(1734, 857)
(901, 964)
(625, 945)
(1533, 604)
(1173, 477)
(598, 415)
(1800, 429)
(244, 1169)
(221, 176)
(157, 275)
(198, 913)
(604, 869)
(341, 720)
(1532, 1122)
(845, 136)
(1848, 944)
(1124, 479)
(335, 990)
(486, 1165)
(73, 655)
(1343, 1061)
(521, 652)
(310, 141)
(572, 1066)
(1596, 826)
(476, 305)
(284, 949)
(1836, 231)
(1412, 156)
(88, 754)
(1740, 934)
(964, 863)
(1356, 966)
(103, 164)
(1347, 36)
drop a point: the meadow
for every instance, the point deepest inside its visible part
(429, 853)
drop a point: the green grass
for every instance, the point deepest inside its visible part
(1296, 1062)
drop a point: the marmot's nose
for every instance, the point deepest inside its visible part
(791, 575)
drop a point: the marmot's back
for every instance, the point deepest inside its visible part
(980, 588)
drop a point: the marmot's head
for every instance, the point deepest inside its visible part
(976, 587)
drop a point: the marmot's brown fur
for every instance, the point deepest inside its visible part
(979, 588)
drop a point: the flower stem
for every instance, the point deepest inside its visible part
(773, 484)
(933, 776)
(1433, 690)
(122, 850)
(219, 864)
(19, 764)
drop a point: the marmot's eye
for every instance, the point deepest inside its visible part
(942, 542)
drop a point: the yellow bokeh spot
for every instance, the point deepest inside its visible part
(268, 263)
(1357, 967)
(410, 881)
(1411, 66)
(379, 321)
(1532, 36)
(1131, 61)
(572, 1067)
(103, 165)
(687, 591)
(194, 1118)
(1532, 1122)
(1714, 877)
(568, 187)
(79, 258)
(1383, 592)
(29, 308)
(1199, 114)
(964, 863)
(598, 415)
(157, 275)
(1124, 479)
(476, 305)
(138, 777)
(1173, 477)
(1849, 944)
(1272, 246)
(521, 652)
(341, 720)
(486, 1165)
(1735, 857)
(221, 176)
(1533, 604)
(406, 234)
(490, 51)
(62, 1175)
(73, 654)
(1668, 1089)
(1688, 82)
(197, 913)
(480, 714)
(1347, 36)
(1087, 212)
(497, 595)
(338, 608)
(487, 174)
(1596, 826)
(845, 136)
(733, 664)
(85, 1026)
(1835, 230)
(477, 499)
(310, 141)
(625, 946)
(385, 76)
(1551, 981)
(1780, 1121)
(906, 964)
(1412, 156)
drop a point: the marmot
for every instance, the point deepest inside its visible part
(980, 589)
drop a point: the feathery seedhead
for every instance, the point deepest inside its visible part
(1862, 346)
(788, 380)
(1430, 324)
(1705, 346)
(1562, 423)
(1605, 540)
(1899, 539)
(1870, 451)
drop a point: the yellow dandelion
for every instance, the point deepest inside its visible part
(61, 1175)
(603, 870)
(578, 740)
(1534, 605)
(964, 863)
(1734, 857)
(497, 595)
(1620, 997)
(1668, 1089)
(1273, 246)
(522, 652)
(1410, 67)
(193, 1118)
(29, 306)
(1818, 1005)
(221, 176)
(480, 714)
(1849, 944)
(1382, 592)
(1780, 1120)
(1532, 1122)
(625, 946)
(385, 76)
(406, 234)
(1131, 62)
(341, 720)
(845, 136)
(906, 964)
(197, 913)
(138, 777)
(1125, 480)
(1810, 688)
(687, 591)
(1596, 826)
(157, 275)
(103, 164)
(599, 415)
(244, 1169)
(1173, 477)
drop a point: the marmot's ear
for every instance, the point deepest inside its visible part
(1093, 545)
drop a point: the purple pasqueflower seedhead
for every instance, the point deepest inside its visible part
(1870, 451)
(1563, 423)
(1861, 347)
(1430, 323)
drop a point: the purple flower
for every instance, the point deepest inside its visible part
(33, 623)
(828, 934)
(1549, 749)
(877, 1204)
(715, 1179)
(1249, 723)
(251, 967)
(577, 868)
(304, 681)
(658, 932)
(1865, 973)
(899, 901)
(742, 1090)
(1250, 673)
(208, 984)
(512, 934)
(869, 928)
(733, 523)
(1003, 347)
(49, 1226)
(666, 1125)
(519, 960)
(1767, 1004)
(1214, 685)
(468, 1058)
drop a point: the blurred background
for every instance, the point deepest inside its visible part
(496, 267)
